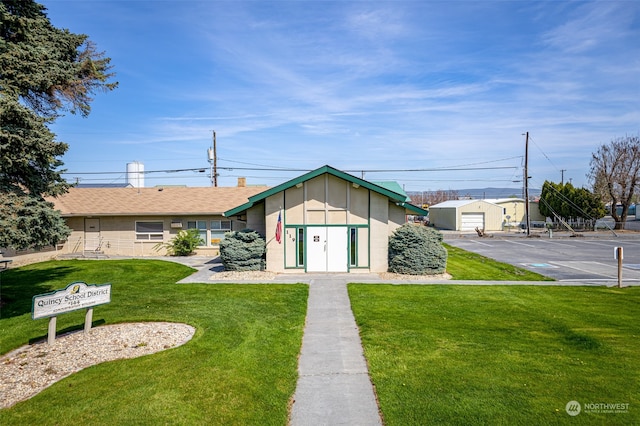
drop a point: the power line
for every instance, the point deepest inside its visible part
(202, 170)
(250, 164)
(545, 156)
(262, 167)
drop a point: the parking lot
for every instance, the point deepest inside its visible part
(588, 258)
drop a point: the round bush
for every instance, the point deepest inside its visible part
(243, 251)
(416, 250)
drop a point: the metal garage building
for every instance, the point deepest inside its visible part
(466, 215)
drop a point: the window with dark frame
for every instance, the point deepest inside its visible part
(353, 255)
(300, 246)
(149, 231)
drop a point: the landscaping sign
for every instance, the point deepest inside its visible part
(76, 296)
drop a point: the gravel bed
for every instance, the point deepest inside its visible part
(407, 277)
(269, 276)
(28, 370)
(243, 275)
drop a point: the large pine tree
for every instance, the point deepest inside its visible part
(44, 72)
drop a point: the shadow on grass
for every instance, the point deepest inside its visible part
(18, 286)
(577, 340)
(67, 330)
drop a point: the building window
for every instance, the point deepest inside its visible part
(213, 234)
(353, 246)
(218, 229)
(300, 247)
(201, 226)
(149, 231)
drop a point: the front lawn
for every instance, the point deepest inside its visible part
(500, 355)
(240, 367)
(466, 265)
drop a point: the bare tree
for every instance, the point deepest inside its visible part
(440, 196)
(429, 198)
(615, 172)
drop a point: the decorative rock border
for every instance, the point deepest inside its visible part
(28, 370)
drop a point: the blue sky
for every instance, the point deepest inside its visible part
(358, 85)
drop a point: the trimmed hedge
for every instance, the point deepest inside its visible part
(416, 250)
(243, 251)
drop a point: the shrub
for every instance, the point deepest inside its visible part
(243, 251)
(183, 244)
(416, 250)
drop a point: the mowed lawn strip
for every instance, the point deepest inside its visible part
(500, 355)
(240, 367)
(466, 265)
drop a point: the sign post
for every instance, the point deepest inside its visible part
(88, 319)
(618, 254)
(74, 297)
(51, 333)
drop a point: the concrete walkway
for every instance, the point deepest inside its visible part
(334, 386)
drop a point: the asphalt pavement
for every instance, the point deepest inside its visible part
(586, 258)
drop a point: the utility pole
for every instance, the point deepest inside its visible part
(526, 184)
(213, 161)
(562, 173)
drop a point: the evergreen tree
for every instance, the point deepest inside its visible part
(244, 250)
(416, 250)
(570, 203)
(44, 71)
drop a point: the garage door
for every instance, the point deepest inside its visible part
(471, 221)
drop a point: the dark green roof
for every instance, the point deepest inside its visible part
(399, 197)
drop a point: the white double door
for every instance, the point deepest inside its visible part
(327, 249)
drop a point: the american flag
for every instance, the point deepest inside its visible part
(279, 229)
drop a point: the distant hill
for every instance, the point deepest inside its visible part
(480, 193)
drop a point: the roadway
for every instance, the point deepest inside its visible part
(588, 257)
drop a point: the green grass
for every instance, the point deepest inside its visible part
(240, 367)
(500, 355)
(465, 265)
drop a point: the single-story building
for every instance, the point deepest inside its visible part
(514, 211)
(466, 215)
(326, 221)
(487, 214)
(132, 221)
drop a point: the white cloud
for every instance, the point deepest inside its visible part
(370, 85)
(593, 25)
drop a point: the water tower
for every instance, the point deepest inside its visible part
(135, 174)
